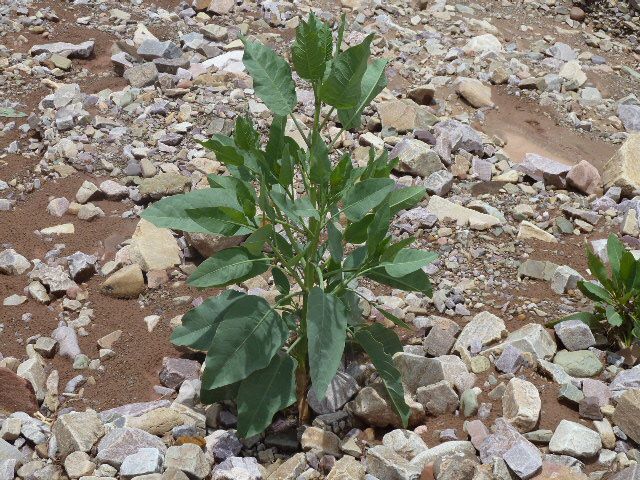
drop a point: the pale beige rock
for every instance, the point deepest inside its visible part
(319, 440)
(157, 422)
(347, 468)
(585, 178)
(404, 115)
(449, 211)
(127, 282)
(63, 229)
(475, 92)
(627, 414)
(623, 169)
(528, 230)
(521, 404)
(154, 248)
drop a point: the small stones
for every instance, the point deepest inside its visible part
(573, 439)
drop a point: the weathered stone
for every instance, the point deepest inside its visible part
(77, 432)
(340, 390)
(529, 230)
(573, 75)
(206, 244)
(151, 49)
(222, 444)
(437, 453)
(625, 380)
(585, 178)
(422, 95)
(439, 183)
(86, 192)
(627, 414)
(163, 185)
(69, 50)
(482, 44)
(81, 266)
(12, 263)
(67, 341)
(521, 404)
(384, 462)
(418, 371)
(580, 363)
(142, 75)
(564, 278)
(234, 468)
(119, 443)
(127, 282)
(416, 157)
(510, 360)
(79, 464)
(177, 370)
(523, 459)
(404, 115)
(532, 338)
(144, 462)
(114, 190)
(292, 468)
(438, 398)
(630, 116)
(54, 277)
(542, 168)
(475, 92)
(188, 458)
(575, 335)
(449, 211)
(347, 468)
(8, 452)
(484, 329)
(373, 406)
(154, 248)
(623, 169)
(573, 439)
(33, 371)
(321, 441)
(157, 421)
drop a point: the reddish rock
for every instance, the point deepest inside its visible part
(16, 394)
(585, 178)
(577, 14)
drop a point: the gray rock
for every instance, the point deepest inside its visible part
(82, 266)
(144, 462)
(142, 75)
(532, 338)
(438, 398)
(542, 168)
(630, 116)
(416, 157)
(458, 136)
(119, 443)
(573, 439)
(70, 50)
(625, 380)
(234, 468)
(434, 454)
(54, 277)
(418, 371)
(373, 406)
(340, 390)
(177, 370)
(564, 278)
(77, 432)
(405, 443)
(384, 462)
(8, 452)
(524, 459)
(222, 444)
(575, 335)
(188, 458)
(151, 49)
(439, 183)
(12, 263)
(510, 360)
(580, 363)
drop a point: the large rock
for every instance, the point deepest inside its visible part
(384, 462)
(542, 168)
(484, 329)
(208, 244)
(154, 248)
(573, 439)
(77, 432)
(575, 335)
(347, 468)
(623, 169)
(449, 211)
(16, 394)
(627, 414)
(528, 230)
(372, 405)
(127, 282)
(581, 363)
(188, 458)
(585, 178)
(416, 157)
(404, 115)
(482, 44)
(119, 443)
(12, 263)
(532, 338)
(521, 404)
(340, 390)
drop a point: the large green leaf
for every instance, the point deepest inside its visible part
(342, 88)
(585, 317)
(245, 341)
(200, 323)
(295, 210)
(380, 346)
(613, 317)
(171, 212)
(312, 48)
(373, 82)
(405, 198)
(326, 332)
(272, 79)
(319, 162)
(417, 281)
(223, 221)
(356, 232)
(264, 393)
(334, 240)
(245, 135)
(408, 260)
(228, 392)
(364, 196)
(614, 252)
(595, 292)
(225, 149)
(378, 228)
(229, 266)
(597, 268)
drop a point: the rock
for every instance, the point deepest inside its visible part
(469, 402)
(54, 277)
(67, 342)
(372, 405)
(623, 169)
(235, 468)
(449, 211)
(510, 360)
(439, 183)
(188, 458)
(564, 278)
(577, 14)
(144, 462)
(207, 244)
(163, 185)
(340, 390)
(114, 190)
(523, 458)
(79, 464)
(347, 468)
(585, 178)
(8, 452)
(404, 115)
(81, 266)
(528, 231)
(33, 371)
(63, 229)
(222, 444)
(58, 206)
(625, 380)
(441, 336)
(158, 421)
(575, 335)
(142, 75)
(77, 432)
(127, 282)
(320, 441)
(483, 329)
(629, 473)
(12, 263)
(177, 370)
(416, 157)
(418, 371)
(151, 49)
(482, 44)
(573, 439)
(630, 116)
(521, 404)
(86, 192)
(446, 449)
(221, 7)
(438, 398)
(542, 168)
(572, 74)
(119, 443)
(580, 363)
(422, 95)
(532, 338)
(627, 414)
(405, 443)
(154, 248)
(17, 394)
(475, 92)
(69, 50)
(292, 468)
(383, 462)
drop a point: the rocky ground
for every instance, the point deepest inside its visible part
(514, 115)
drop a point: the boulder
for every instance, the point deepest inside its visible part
(77, 432)
(575, 335)
(580, 363)
(521, 404)
(404, 115)
(446, 210)
(127, 282)
(119, 443)
(12, 263)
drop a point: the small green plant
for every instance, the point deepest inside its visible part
(266, 357)
(616, 297)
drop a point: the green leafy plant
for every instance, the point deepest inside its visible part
(616, 296)
(317, 244)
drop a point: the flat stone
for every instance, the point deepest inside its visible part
(158, 421)
(163, 185)
(575, 335)
(404, 115)
(542, 168)
(573, 439)
(154, 248)
(482, 44)
(418, 371)
(321, 441)
(523, 459)
(475, 92)
(537, 269)
(384, 462)
(144, 462)
(142, 75)
(70, 50)
(565, 278)
(528, 230)
(483, 329)
(188, 458)
(438, 398)
(449, 211)
(347, 468)
(521, 404)
(12, 263)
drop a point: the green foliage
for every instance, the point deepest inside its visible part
(300, 210)
(616, 295)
